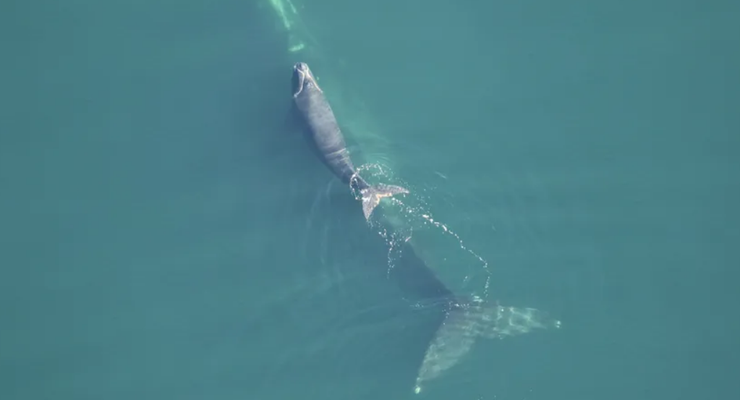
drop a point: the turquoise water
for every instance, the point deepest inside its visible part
(165, 234)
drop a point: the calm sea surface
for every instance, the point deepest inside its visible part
(166, 234)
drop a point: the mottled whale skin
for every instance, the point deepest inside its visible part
(328, 141)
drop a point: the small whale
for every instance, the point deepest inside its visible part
(327, 139)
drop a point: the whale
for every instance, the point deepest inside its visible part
(464, 318)
(327, 140)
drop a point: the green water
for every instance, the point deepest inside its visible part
(163, 234)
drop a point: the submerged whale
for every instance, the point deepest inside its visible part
(465, 318)
(327, 140)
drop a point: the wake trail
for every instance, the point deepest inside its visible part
(429, 220)
(398, 226)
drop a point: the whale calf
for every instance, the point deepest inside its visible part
(327, 140)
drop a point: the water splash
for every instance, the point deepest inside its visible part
(299, 37)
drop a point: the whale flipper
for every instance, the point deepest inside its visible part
(372, 194)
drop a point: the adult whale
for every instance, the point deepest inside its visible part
(327, 140)
(464, 318)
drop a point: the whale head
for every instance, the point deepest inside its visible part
(303, 79)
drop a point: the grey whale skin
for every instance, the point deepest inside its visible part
(328, 141)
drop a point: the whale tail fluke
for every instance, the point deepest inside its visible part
(454, 339)
(371, 196)
(465, 323)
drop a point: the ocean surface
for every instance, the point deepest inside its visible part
(165, 233)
